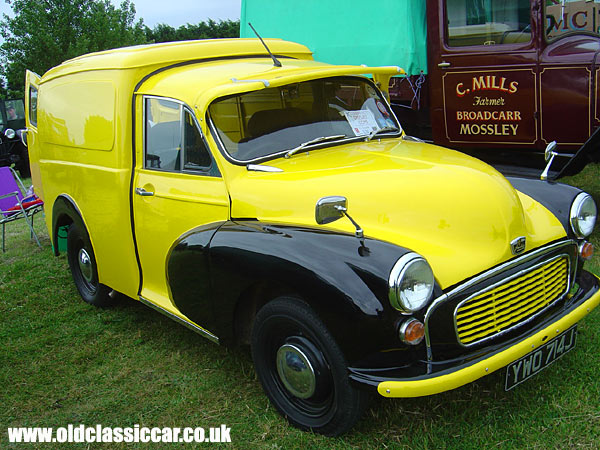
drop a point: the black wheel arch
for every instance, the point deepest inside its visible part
(556, 197)
(64, 213)
(242, 265)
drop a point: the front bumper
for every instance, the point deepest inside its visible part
(466, 371)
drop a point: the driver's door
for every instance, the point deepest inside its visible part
(483, 74)
(32, 81)
(177, 187)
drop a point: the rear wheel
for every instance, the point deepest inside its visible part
(303, 370)
(82, 263)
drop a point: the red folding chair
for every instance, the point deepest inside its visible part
(14, 205)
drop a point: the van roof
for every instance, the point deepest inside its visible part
(154, 56)
(199, 84)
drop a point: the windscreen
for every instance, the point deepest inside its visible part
(15, 109)
(274, 120)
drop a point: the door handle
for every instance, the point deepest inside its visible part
(444, 65)
(143, 192)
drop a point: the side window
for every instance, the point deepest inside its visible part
(163, 134)
(33, 97)
(196, 155)
(487, 22)
(173, 141)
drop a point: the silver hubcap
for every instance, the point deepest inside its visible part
(295, 371)
(85, 265)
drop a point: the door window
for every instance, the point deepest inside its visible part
(487, 22)
(33, 96)
(173, 141)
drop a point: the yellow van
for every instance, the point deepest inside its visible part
(260, 197)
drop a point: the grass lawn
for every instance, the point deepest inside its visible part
(65, 362)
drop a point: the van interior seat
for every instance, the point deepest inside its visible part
(270, 120)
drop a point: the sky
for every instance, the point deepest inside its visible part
(176, 12)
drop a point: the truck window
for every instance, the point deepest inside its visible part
(163, 134)
(196, 155)
(170, 128)
(273, 120)
(15, 109)
(487, 22)
(571, 16)
(33, 95)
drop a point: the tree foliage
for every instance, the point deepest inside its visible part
(203, 30)
(44, 33)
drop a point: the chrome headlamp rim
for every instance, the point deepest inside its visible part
(396, 275)
(576, 206)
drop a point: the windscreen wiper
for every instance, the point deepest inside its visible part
(313, 141)
(380, 130)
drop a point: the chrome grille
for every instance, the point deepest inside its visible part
(512, 302)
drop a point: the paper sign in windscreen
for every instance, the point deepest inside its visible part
(362, 122)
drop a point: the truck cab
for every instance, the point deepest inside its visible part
(12, 122)
(513, 76)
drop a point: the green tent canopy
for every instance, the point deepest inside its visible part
(389, 32)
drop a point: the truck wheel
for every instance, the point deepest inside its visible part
(23, 165)
(23, 168)
(303, 370)
(82, 263)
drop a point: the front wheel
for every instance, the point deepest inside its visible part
(303, 370)
(82, 263)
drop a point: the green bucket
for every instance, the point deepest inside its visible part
(62, 238)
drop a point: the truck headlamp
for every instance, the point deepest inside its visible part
(9, 133)
(583, 215)
(411, 283)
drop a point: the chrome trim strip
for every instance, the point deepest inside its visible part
(265, 82)
(507, 280)
(262, 168)
(482, 277)
(190, 325)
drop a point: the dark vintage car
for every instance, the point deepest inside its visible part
(12, 122)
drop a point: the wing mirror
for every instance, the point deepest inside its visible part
(330, 209)
(549, 155)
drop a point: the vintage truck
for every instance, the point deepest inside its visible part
(497, 79)
(275, 201)
(12, 123)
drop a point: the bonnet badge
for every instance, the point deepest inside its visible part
(518, 245)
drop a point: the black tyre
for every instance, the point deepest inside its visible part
(24, 169)
(23, 165)
(82, 263)
(303, 370)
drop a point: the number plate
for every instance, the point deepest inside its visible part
(533, 362)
